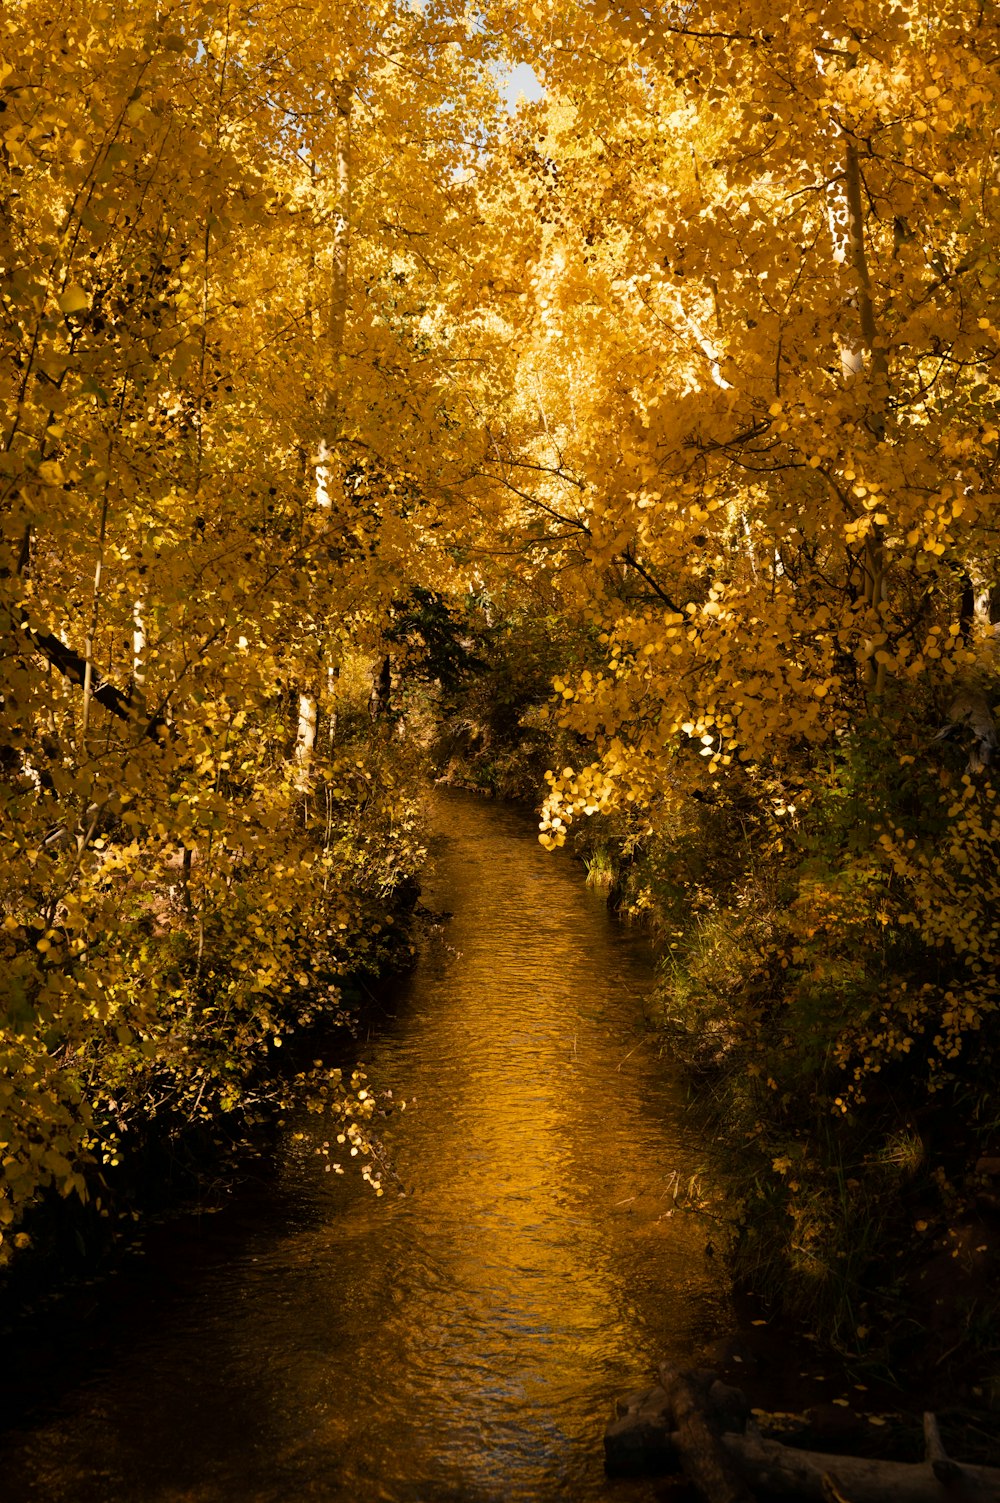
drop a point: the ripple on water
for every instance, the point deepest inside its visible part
(461, 1344)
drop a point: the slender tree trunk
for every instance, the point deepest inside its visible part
(328, 452)
(342, 223)
(305, 736)
(339, 293)
(139, 645)
(878, 375)
(88, 651)
(380, 699)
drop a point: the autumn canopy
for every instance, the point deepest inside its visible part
(316, 361)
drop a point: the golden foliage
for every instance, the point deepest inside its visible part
(699, 353)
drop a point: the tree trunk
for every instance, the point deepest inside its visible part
(305, 735)
(808, 1475)
(327, 455)
(139, 645)
(878, 376)
(380, 699)
(339, 294)
(688, 1421)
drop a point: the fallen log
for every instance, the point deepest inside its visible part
(785, 1472)
(698, 1439)
(684, 1422)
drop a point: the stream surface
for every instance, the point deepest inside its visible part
(459, 1343)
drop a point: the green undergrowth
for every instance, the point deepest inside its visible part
(808, 986)
(493, 730)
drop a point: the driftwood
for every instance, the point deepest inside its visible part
(698, 1440)
(785, 1472)
(685, 1421)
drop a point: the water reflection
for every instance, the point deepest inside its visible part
(463, 1342)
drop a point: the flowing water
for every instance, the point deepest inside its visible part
(458, 1343)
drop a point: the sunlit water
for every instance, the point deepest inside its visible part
(463, 1342)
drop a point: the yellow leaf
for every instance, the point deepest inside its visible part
(73, 299)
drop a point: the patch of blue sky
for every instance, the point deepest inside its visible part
(518, 85)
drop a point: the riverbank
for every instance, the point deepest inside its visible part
(139, 1068)
(516, 894)
(863, 1220)
(172, 1166)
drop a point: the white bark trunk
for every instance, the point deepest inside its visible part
(139, 643)
(327, 458)
(878, 367)
(305, 736)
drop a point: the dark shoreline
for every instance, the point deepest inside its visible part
(180, 1169)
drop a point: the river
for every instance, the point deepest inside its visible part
(461, 1342)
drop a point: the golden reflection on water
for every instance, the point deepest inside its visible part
(539, 1269)
(464, 1342)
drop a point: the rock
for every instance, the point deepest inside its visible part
(699, 1441)
(832, 1424)
(729, 1405)
(632, 1402)
(639, 1439)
